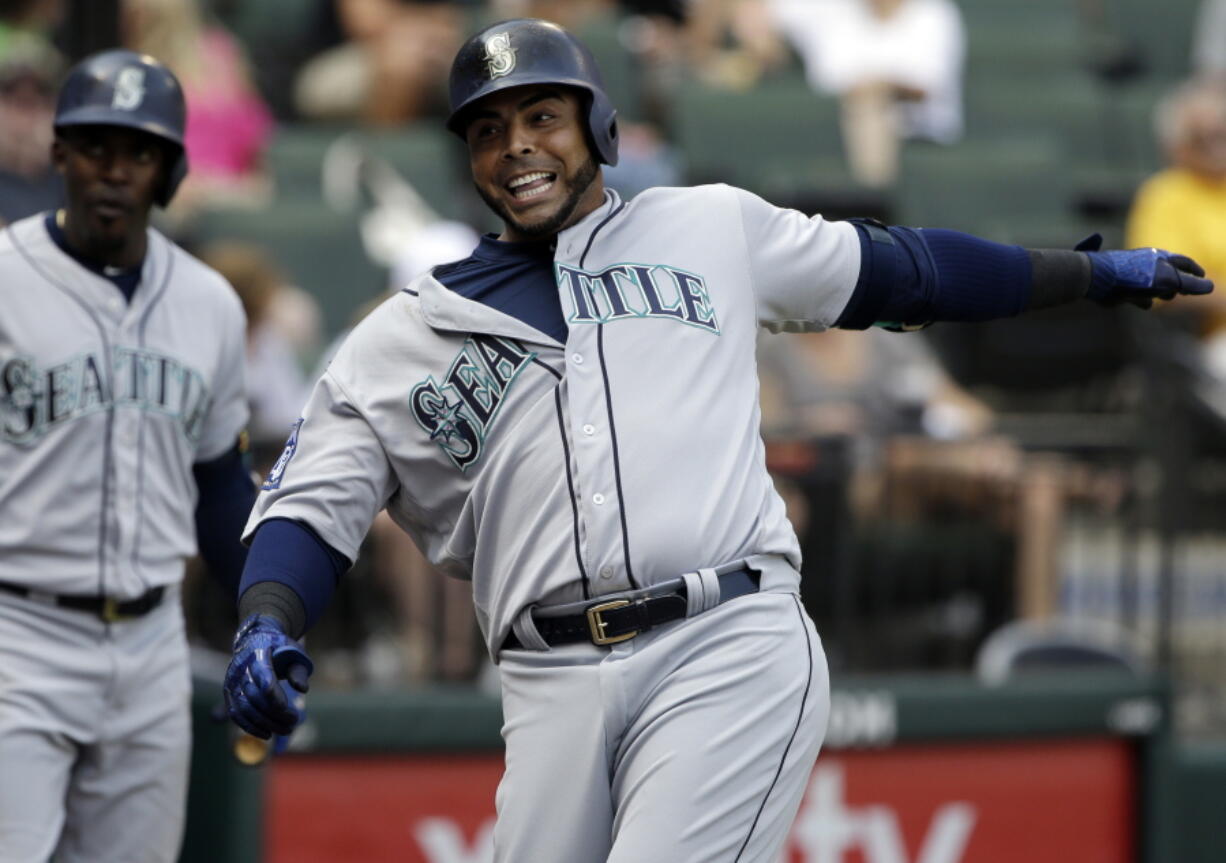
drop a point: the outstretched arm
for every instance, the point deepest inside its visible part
(911, 277)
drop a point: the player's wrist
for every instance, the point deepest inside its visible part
(276, 602)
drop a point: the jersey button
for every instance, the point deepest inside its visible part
(577, 359)
(606, 572)
(598, 498)
(589, 429)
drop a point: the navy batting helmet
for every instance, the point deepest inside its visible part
(531, 51)
(122, 88)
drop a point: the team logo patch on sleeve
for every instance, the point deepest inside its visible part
(278, 470)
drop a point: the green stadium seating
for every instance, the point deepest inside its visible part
(425, 154)
(320, 250)
(778, 136)
(1017, 190)
(622, 76)
(1161, 30)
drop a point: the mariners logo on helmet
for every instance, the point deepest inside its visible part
(129, 89)
(499, 55)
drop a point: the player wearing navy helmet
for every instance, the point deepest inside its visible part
(569, 418)
(121, 408)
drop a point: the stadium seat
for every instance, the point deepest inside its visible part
(319, 250)
(425, 154)
(1016, 190)
(774, 137)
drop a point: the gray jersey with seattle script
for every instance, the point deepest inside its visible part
(104, 407)
(553, 472)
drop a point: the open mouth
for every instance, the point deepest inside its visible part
(528, 186)
(110, 209)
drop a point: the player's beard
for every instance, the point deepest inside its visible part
(576, 186)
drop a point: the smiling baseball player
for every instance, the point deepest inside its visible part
(569, 418)
(121, 408)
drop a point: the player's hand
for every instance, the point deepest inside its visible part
(265, 659)
(1139, 276)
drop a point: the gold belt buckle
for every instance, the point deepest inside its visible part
(110, 610)
(597, 625)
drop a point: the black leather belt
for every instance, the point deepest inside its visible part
(621, 619)
(108, 608)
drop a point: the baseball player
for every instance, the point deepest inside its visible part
(121, 410)
(569, 418)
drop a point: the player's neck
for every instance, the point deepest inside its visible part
(122, 253)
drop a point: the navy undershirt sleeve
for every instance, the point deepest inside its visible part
(290, 553)
(977, 279)
(517, 279)
(226, 495)
(915, 276)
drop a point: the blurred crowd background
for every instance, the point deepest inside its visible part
(971, 498)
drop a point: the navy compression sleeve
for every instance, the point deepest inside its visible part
(914, 276)
(290, 553)
(226, 495)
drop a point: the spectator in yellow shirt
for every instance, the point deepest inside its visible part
(1184, 205)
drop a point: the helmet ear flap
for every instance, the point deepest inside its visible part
(602, 126)
(174, 176)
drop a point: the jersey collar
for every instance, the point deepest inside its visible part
(444, 309)
(574, 241)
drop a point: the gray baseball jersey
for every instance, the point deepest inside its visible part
(628, 456)
(104, 408)
(548, 472)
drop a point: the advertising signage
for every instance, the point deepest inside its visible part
(1005, 801)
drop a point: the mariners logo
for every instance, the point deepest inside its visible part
(458, 411)
(129, 89)
(278, 469)
(499, 55)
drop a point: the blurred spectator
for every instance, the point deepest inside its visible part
(276, 385)
(29, 73)
(895, 64)
(37, 18)
(391, 69)
(911, 447)
(732, 43)
(866, 393)
(571, 14)
(228, 124)
(867, 386)
(1184, 205)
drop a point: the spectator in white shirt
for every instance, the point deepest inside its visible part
(896, 65)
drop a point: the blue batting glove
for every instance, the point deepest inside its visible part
(1139, 276)
(267, 669)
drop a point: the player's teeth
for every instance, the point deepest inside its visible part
(527, 178)
(532, 193)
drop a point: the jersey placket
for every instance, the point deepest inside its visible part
(600, 505)
(129, 380)
(594, 445)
